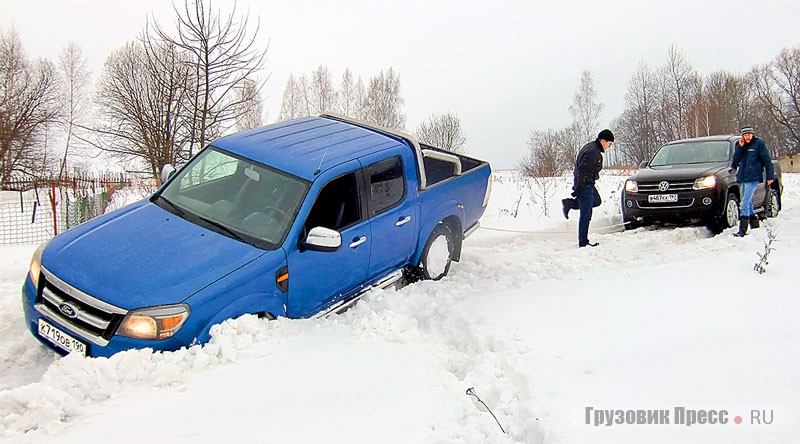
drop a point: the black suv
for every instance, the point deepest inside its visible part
(689, 181)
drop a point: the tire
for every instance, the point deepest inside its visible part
(773, 206)
(730, 215)
(437, 256)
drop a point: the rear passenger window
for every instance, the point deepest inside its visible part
(386, 184)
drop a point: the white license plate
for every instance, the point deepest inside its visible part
(658, 198)
(60, 339)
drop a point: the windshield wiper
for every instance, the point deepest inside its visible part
(177, 209)
(218, 225)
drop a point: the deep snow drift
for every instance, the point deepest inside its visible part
(654, 318)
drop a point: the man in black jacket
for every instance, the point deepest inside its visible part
(587, 170)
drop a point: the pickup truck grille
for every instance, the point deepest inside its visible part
(674, 185)
(90, 317)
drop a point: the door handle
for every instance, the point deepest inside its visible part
(403, 221)
(358, 241)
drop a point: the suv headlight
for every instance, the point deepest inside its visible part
(36, 263)
(154, 322)
(631, 186)
(705, 183)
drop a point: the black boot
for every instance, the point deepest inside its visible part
(566, 205)
(754, 222)
(742, 226)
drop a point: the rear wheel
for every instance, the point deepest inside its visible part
(773, 203)
(438, 253)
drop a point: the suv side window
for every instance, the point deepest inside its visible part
(386, 184)
(337, 207)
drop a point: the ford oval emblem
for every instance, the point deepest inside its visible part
(663, 186)
(68, 310)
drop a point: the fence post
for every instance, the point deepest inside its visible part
(53, 203)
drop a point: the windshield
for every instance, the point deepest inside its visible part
(235, 197)
(692, 152)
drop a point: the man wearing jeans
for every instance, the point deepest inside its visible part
(587, 170)
(752, 158)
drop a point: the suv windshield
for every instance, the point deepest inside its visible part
(692, 152)
(235, 197)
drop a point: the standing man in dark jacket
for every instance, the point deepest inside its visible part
(752, 158)
(587, 170)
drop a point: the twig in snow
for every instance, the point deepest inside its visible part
(471, 392)
(763, 258)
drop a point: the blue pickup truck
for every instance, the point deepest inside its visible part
(296, 219)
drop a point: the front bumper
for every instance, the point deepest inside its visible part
(114, 345)
(691, 205)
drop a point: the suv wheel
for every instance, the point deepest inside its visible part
(731, 211)
(729, 217)
(773, 204)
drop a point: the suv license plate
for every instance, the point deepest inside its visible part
(657, 198)
(60, 339)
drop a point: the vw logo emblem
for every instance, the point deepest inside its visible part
(663, 185)
(68, 310)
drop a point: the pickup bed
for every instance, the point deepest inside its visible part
(689, 181)
(296, 219)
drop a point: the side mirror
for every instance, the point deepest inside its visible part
(322, 239)
(166, 172)
(643, 165)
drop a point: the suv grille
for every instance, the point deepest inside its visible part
(674, 185)
(90, 317)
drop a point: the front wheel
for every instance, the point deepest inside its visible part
(729, 218)
(438, 253)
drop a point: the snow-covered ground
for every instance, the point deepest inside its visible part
(652, 319)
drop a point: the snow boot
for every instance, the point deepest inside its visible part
(566, 205)
(754, 222)
(743, 222)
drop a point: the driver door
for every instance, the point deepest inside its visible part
(319, 279)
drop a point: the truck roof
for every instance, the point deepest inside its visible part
(303, 146)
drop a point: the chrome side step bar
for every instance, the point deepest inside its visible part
(344, 304)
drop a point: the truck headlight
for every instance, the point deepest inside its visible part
(631, 186)
(704, 183)
(154, 322)
(36, 263)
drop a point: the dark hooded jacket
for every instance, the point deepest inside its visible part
(752, 159)
(588, 165)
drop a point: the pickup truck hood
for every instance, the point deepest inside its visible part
(677, 172)
(143, 256)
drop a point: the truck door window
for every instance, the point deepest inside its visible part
(337, 206)
(386, 184)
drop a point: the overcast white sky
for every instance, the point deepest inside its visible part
(505, 67)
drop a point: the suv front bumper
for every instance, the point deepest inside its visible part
(691, 205)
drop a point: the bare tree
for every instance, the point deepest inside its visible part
(443, 131)
(351, 95)
(141, 98)
(29, 104)
(251, 114)
(223, 55)
(542, 165)
(322, 94)
(293, 104)
(585, 109)
(383, 103)
(682, 86)
(75, 74)
(638, 127)
(776, 86)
